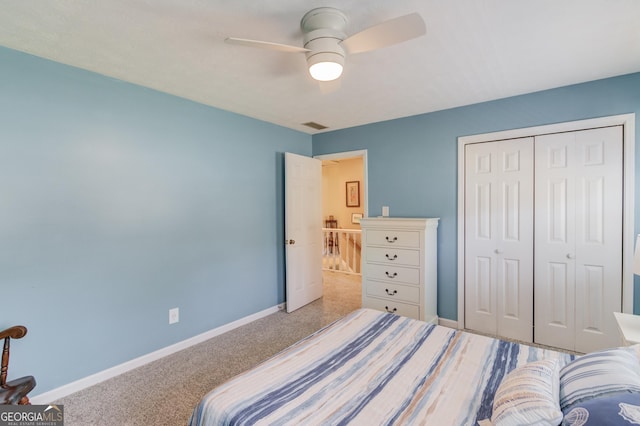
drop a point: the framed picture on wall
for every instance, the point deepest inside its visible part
(353, 193)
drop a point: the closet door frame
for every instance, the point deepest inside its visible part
(628, 225)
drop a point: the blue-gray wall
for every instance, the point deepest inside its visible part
(118, 203)
(412, 162)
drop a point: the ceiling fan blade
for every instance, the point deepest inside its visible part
(265, 45)
(386, 33)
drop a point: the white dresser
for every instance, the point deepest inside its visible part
(399, 266)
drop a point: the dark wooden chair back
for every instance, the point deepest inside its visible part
(14, 391)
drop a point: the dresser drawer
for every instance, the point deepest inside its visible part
(393, 292)
(393, 238)
(390, 273)
(393, 256)
(404, 309)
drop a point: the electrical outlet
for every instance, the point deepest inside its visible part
(174, 315)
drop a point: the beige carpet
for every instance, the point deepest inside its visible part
(165, 392)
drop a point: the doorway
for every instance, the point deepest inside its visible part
(344, 203)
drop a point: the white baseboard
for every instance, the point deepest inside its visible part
(57, 393)
(448, 323)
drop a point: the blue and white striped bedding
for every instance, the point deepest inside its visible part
(372, 368)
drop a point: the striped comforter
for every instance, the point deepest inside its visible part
(371, 368)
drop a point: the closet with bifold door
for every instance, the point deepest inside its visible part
(499, 236)
(543, 238)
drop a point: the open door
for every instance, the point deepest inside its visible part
(303, 230)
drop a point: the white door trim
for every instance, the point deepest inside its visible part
(350, 154)
(628, 226)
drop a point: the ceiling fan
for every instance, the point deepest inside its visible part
(326, 44)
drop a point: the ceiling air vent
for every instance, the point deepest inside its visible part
(315, 125)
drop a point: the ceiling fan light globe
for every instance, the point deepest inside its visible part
(325, 71)
(326, 65)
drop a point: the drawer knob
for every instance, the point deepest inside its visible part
(394, 257)
(395, 274)
(391, 311)
(391, 240)
(391, 293)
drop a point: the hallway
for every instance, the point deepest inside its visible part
(342, 293)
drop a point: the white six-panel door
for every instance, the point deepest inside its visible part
(499, 238)
(572, 198)
(303, 230)
(578, 238)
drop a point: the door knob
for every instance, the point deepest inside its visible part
(496, 251)
(571, 256)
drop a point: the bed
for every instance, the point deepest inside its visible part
(373, 368)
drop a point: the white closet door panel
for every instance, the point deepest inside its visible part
(593, 292)
(483, 208)
(511, 203)
(515, 239)
(510, 276)
(558, 231)
(554, 298)
(482, 287)
(593, 207)
(578, 242)
(560, 278)
(555, 303)
(480, 226)
(499, 238)
(598, 237)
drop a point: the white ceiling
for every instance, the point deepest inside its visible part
(474, 51)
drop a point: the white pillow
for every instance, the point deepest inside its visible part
(528, 395)
(601, 373)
